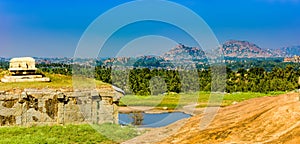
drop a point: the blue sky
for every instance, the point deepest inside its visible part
(53, 28)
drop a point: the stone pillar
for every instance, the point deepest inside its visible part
(106, 110)
(95, 108)
(61, 108)
(115, 113)
(60, 113)
(22, 101)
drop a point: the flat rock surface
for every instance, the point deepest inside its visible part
(259, 120)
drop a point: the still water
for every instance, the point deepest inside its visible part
(150, 119)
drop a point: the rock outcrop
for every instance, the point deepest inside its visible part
(261, 120)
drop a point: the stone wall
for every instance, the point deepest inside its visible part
(50, 107)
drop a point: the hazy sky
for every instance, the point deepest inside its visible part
(52, 28)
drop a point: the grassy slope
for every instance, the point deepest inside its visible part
(172, 100)
(66, 134)
(57, 82)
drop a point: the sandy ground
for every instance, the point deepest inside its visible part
(259, 120)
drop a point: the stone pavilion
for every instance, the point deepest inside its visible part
(23, 70)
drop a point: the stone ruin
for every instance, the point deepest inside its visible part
(52, 107)
(23, 70)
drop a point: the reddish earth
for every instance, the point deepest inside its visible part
(259, 120)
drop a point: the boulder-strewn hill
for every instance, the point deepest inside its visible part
(231, 48)
(288, 51)
(242, 49)
(182, 52)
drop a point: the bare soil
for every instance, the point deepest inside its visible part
(260, 120)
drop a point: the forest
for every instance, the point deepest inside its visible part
(157, 81)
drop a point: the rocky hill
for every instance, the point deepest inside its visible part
(182, 52)
(231, 48)
(242, 49)
(288, 51)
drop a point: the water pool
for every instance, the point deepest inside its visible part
(151, 119)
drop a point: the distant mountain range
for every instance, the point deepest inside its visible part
(231, 48)
(184, 54)
(242, 49)
(288, 51)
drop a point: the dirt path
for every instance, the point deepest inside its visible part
(259, 120)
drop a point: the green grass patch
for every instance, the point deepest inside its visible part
(116, 132)
(67, 134)
(173, 101)
(168, 100)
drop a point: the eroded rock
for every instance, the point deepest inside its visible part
(48, 106)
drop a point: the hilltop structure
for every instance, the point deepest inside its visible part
(23, 70)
